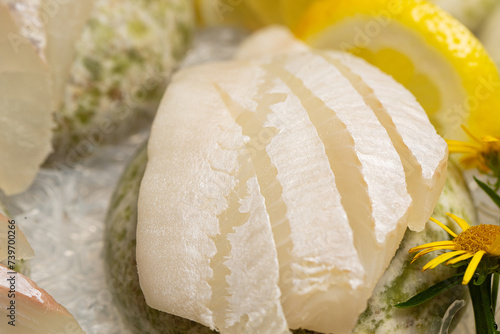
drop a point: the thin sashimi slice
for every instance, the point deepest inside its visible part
(107, 63)
(424, 157)
(375, 200)
(319, 266)
(193, 232)
(26, 15)
(27, 309)
(25, 108)
(262, 312)
(65, 25)
(18, 247)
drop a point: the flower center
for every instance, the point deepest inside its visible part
(477, 238)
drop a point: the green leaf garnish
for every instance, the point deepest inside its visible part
(431, 292)
(489, 191)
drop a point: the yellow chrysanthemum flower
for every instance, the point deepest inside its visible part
(483, 153)
(473, 242)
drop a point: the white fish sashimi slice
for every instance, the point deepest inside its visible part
(64, 26)
(25, 109)
(19, 244)
(252, 293)
(305, 175)
(255, 140)
(176, 223)
(35, 311)
(423, 152)
(52, 27)
(375, 198)
(319, 266)
(325, 270)
(194, 213)
(326, 83)
(27, 15)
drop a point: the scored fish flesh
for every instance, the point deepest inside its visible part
(277, 190)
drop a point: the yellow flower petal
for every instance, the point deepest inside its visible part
(432, 249)
(477, 154)
(459, 143)
(460, 258)
(466, 151)
(441, 258)
(470, 134)
(471, 268)
(431, 244)
(444, 227)
(461, 222)
(461, 149)
(490, 139)
(469, 162)
(422, 253)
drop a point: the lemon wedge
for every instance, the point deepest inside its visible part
(432, 54)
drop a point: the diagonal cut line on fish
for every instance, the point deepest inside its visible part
(320, 114)
(271, 189)
(423, 167)
(252, 123)
(226, 220)
(413, 170)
